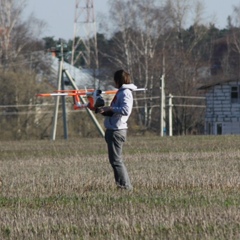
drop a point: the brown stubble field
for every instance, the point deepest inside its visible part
(184, 188)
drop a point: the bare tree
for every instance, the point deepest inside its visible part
(138, 27)
(185, 59)
(231, 63)
(18, 41)
(15, 34)
(149, 34)
(10, 14)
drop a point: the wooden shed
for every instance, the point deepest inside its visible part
(222, 115)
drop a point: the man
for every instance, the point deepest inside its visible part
(116, 117)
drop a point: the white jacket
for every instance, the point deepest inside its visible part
(122, 107)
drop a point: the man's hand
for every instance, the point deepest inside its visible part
(104, 109)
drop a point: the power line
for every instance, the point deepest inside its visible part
(25, 105)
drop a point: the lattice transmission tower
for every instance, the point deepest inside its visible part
(85, 36)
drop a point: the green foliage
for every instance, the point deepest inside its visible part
(50, 42)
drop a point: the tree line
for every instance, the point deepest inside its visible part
(148, 38)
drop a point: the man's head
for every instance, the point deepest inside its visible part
(121, 77)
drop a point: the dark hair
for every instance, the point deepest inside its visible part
(121, 77)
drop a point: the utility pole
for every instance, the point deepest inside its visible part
(162, 104)
(170, 106)
(60, 86)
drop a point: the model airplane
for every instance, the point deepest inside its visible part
(95, 99)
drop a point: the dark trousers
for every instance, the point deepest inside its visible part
(115, 140)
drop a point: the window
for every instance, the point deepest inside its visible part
(235, 95)
(209, 128)
(219, 128)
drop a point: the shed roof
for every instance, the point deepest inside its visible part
(83, 77)
(219, 82)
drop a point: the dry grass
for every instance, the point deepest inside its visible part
(184, 188)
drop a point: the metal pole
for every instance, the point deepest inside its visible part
(162, 107)
(95, 121)
(65, 128)
(170, 113)
(163, 114)
(55, 118)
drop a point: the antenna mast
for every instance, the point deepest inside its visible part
(85, 37)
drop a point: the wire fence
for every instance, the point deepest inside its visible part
(38, 106)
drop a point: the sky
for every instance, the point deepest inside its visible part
(59, 14)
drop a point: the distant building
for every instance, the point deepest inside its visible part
(83, 77)
(222, 107)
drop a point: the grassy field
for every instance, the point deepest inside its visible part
(184, 188)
